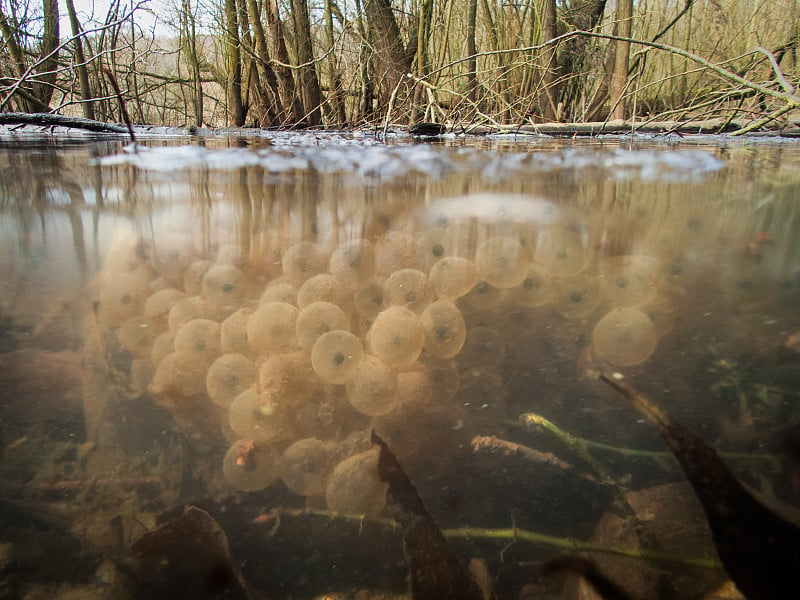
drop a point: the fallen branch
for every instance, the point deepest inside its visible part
(53, 120)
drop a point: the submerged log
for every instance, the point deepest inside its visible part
(759, 550)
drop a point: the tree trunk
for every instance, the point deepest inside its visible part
(234, 65)
(392, 59)
(274, 111)
(190, 33)
(46, 74)
(547, 63)
(336, 93)
(619, 79)
(80, 60)
(307, 70)
(471, 88)
(291, 102)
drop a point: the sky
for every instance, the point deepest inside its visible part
(152, 14)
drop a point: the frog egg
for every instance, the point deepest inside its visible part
(410, 288)
(306, 465)
(372, 390)
(629, 280)
(576, 297)
(199, 338)
(432, 246)
(233, 332)
(280, 291)
(415, 386)
(253, 419)
(445, 329)
(122, 296)
(397, 336)
(501, 261)
(483, 348)
(179, 373)
(444, 376)
(353, 262)
(368, 298)
(234, 255)
(271, 328)
(536, 288)
(250, 465)
(158, 305)
(185, 310)
(318, 318)
(452, 277)
(163, 345)
(322, 288)
(484, 296)
(323, 415)
(560, 251)
(136, 335)
(193, 276)
(663, 310)
(286, 380)
(228, 376)
(624, 337)
(171, 255)
(336, 355)
(354, 487)
(223, 289)
(302, 261)
(394, 251)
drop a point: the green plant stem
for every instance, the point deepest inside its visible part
(581, 446)
(505, 535)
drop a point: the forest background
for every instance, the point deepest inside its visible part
(468, 63)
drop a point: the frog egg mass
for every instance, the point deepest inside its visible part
(293, 346)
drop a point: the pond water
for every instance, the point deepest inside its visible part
(221, 321)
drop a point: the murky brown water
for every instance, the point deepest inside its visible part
(172, 334)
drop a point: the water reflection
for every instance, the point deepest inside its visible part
(241, 317)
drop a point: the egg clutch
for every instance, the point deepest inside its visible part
(294, 354)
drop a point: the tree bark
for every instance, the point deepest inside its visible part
(190, 33)
(548, 98)
(80, 60)
(290, 100)
(234, 65)
(472, 50)
(392, 59)
(310, 91)
(46, 74)
(273, 112)
(336, 94)
(619, 79)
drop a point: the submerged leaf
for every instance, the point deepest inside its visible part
(759, 549)
(435, 570)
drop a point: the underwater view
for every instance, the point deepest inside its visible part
(344, 365)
